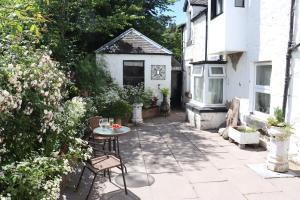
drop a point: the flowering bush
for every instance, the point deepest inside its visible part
(37, 178)
(40, 129)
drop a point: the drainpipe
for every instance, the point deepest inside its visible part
(288, 59)
(206, 34)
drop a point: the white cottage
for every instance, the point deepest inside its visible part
(133, 58)
(238, 48)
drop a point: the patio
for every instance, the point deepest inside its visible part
(178, 162)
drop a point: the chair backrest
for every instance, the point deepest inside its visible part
(94, 122)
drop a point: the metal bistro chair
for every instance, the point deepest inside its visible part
(93, 123)
(103, 164)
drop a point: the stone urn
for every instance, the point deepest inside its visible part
(277, 159)
(164, 106)
(137, 117)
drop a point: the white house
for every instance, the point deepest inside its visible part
(238, 48)
(133, 58)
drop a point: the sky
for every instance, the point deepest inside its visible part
(177, 12)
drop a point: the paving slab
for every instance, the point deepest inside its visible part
(270, 196)
(247, 181)
(172, 186)
(217, 191)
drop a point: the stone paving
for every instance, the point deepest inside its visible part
(185, 164)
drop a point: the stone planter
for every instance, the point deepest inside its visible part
(243, 137)
(150, 112)
(137, 113)
(277, 159)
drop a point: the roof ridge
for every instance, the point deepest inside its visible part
(110, 43)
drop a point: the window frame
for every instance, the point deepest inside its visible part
(213, 9)
(206, 80)
(261, 89)
(143, 61)
(235, 4)
(210, 73)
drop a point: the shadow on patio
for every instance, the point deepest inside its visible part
(167, 159)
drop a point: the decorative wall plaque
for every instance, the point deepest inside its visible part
(158, 72)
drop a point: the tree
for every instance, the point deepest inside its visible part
(76, 28)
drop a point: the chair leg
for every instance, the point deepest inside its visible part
(80, 178)
(124, 181)
(109, 177)
(125, 168)
(87, 197)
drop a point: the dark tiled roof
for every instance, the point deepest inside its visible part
(132, 42)
(194, 3)
(198, 2)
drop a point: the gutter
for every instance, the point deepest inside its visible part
(290, 50)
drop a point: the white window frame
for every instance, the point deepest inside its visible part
(207, 75)
(261, 89)
(216, 75)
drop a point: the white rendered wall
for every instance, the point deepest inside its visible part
(227, 32)
(194, 52)
(114, 63)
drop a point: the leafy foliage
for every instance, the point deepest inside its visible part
(91, 77)
(165, 91)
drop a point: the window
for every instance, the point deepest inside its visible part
(216, 71)
(239, 3)
(133, 72)
(198, 83)
(215, 85)
(216, 8)
(208, 83)
(262, 88)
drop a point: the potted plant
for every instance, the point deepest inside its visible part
(164, 106)
(135, 96)
(243, 135)
(121, 111)
(280, 133)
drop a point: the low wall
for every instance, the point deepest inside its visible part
(205, 118)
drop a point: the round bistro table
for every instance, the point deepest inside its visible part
(110, 132)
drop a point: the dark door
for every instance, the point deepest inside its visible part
(176, 87)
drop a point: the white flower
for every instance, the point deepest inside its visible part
(10, 66)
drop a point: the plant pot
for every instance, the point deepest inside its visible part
(242, 137)
(164, 106)
(277, 159)
(118, 120)
(137, 113)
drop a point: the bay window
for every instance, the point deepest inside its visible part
(198, 83)
(208, 83)
(262, 94)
